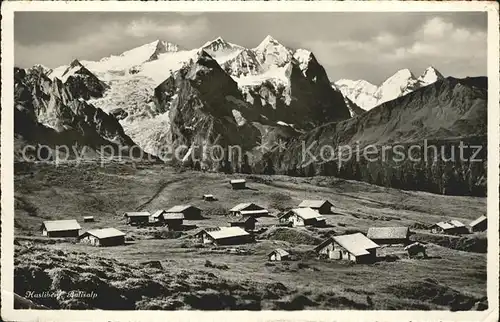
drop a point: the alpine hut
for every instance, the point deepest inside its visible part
(173, 220)
(354, 247)
(103, 237)
(321, 206)
(278, 254)
(302, 217)
(190, 212)
(137, 218)
(248, 209)
(452, 227)
(88, 218)
(245, 222)
(480, 224)
(224, 236)
(389, 235)
(238, 184)
(209, 197)
(61, 228)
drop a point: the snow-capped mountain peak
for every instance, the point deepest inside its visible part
(360, 84)
(303, 57)
(221, 49)
(367, 95)
(39, 67)
(429, 76)
(161, 48)
(271, 52)
(71, 70)
(75, 63)
(399, 77)
(245, 63)
(219, 44)
(401, 83)
(268, 42)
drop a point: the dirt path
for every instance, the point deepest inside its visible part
(160, 189)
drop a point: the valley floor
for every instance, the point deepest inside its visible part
(237, 277)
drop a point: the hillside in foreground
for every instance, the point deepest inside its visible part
(235, 277)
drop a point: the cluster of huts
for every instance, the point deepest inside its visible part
(71, 228)
(357, 247)
(455, 227)
(173, 217)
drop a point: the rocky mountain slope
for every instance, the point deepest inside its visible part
(367, 96)
(50, 112)
(444, 113)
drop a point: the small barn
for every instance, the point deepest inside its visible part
(389, 235)
(248, 209)
(245, 222)
(88, 219)
(321, 206)
(224, 236)
(452, 227)
(302, 217)
(137, 218)
(480, 224)
(103, 237)
(61, 228)
(173, 220)
(238, 184)
(190, 212)
(278, 254)
(209, 198)
(354, 247)
(157, 217)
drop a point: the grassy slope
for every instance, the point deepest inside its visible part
(68, 192)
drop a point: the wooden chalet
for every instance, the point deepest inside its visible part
(354, 247)
(103, 237)
(60, 228)
(302, 217)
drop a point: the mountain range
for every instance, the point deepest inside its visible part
(161, 95)
(367, 96)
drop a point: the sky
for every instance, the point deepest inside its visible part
(364, 45)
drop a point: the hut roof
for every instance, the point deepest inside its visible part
(254, 212)
(158, 213)
(88, 217)
(279, 251)
(173, 215)
(238, 181)
(61, 225)
(180, 208)
(103, 233)
(226, 232)
(388, 233)
(137, 214)
(450, 224)
(245, 205)
(478, 221)
(357, 244)
(457, 223)
(304, 213)
(313, 203)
